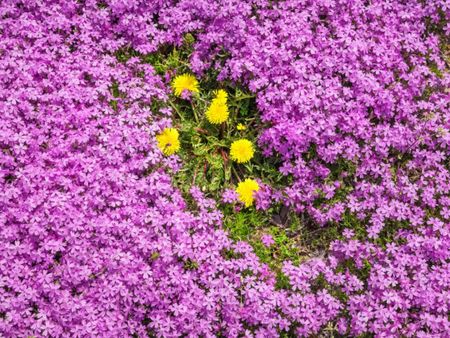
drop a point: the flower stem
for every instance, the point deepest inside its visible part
(195, 114)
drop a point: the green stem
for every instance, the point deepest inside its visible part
(201, 99)
(249, 167)
(176, 110)
(221, 132)
(245, 97)
(195, 114)
(235, 171)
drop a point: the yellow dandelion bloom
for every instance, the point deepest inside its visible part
(221, 96)
(240, 126)
(245, 191)
(168, 141)
(184, 82)
(242, 151)
(217, 112)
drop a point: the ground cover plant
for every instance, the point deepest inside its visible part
(231, 168)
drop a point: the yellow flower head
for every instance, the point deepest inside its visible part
(242, 151)
(168, 141)
(217, 112)
(221, 96)
(240, 126)
(245, 191)
(184, 82)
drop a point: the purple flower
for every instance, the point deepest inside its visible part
(267, 240)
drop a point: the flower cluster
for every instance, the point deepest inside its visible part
(343, 85)
(96, 241)
(241, 150)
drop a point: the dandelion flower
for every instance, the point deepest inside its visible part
(168, 141)
(221, 96)
(184, 82)
(240, 127)
(242, 151)
(245, 191)
(217, 112)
